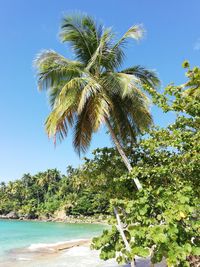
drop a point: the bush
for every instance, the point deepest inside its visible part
(163, 219)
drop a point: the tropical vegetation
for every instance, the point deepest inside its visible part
(163, 219)
(148, 183)
(93, 89)
(44, 194)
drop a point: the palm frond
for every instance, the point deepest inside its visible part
(53, 68)
(83, 35)
(121, 124)
(115, 54)
(99, 55)
(130, 104)
(99, 108)
(63, 112)
(89, 120)
(54, 93)
(91, 88)
(128, 84)
(76, 84)
(82, 132)
(135, 32)
(135, 101)
(147, 77)
(112, 58)
(139, 114)
(56, 126)
(57, 122)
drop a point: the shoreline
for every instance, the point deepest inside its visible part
(69, 253)
(68, 219)
(63, 254)
(40, 252)
(57, 254)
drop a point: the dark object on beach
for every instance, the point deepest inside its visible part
(28, 216)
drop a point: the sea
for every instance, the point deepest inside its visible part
(18, 238)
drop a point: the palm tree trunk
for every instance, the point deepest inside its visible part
(121, 231)
(122, 153)
(136, 181)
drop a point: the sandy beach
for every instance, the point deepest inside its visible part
(63, 254)
(69, 254)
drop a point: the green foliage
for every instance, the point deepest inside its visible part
(163, 219)
(46, 192)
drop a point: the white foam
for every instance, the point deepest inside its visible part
(24, 259)
(38, 246)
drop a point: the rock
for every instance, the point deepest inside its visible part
(28, 216)
(43, 218)
(60, 215)
(12, 215)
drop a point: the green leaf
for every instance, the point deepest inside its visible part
(196, 251)
(186, 64)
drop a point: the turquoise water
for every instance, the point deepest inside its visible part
(19, 234)
(22, 234)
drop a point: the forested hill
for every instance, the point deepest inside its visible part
(78, 192)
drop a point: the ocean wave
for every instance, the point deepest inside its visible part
(24, 259)
(51, 246)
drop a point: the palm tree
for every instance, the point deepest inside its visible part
(92, 89)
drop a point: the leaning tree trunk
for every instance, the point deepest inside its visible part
(121, 231)
(136, 181)
(122, 153)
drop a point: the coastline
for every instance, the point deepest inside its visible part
(70, 219)
(67, 253)
(57, 254)
(34, 241)
(64, 254)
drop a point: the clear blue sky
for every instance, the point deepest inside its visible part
(26, 27)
